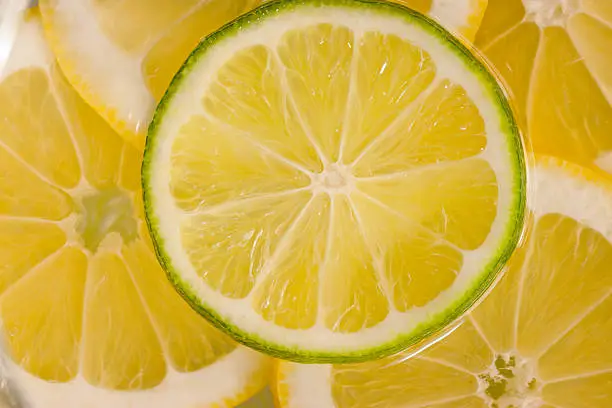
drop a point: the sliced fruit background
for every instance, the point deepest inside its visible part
(121, 55)
(555, 57)
(540, 339)
(89, 318)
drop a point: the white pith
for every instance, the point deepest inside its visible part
(546, 13)
(224, 379)
(186, 102)
(590, 204)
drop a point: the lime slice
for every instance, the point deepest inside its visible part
(541, 339)
(333, 180)
(88, 316)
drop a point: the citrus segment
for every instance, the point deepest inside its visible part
(111, 331)
(189, 343)
(589, 352)
(322, 67)
(24, 194)
(442, 198)
(392, 383)
(221, 169)
(87, 129)
(584, 250)
(121, 56)
(287, 293)
(551, 55)
(426, 136)
(249, 96)
(45, 330)
(38, 146)
(353, 291)
(417, 265)
(209, 238)
(42, 239)
(120, 348)
(390, 73)
(468, 350)
(540, 338)
(402, 143)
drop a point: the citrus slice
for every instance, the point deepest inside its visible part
(88, 316)
(540, 339)
(333, 180)
(121, 55)
(458, 16)
(554, 56)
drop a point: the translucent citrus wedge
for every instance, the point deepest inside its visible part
(540, 339)
(333, 180)
(121, 55)
(88, 316)
(458, 16)
(554, 55)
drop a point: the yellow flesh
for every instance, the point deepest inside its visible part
(559, 71)
(158, 35)
(373, 114)
(111, 314)
(525, 329)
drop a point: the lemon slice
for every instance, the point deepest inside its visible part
(88, 316)
(541, 339)
(554, 56)
(458, 16)
(333, 180)
(121, 55)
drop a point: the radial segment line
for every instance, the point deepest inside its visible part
(146, 309)
(28, 166)
(233, 204)
(599, 19)
(440, 401)
(357, 35)
(444, 363)
(418, 169)
(499, 36)
(69, 125)
(176, 23)
(408, 110)
(34, 220)
(580, 376)
(328, 247)
(288, 95)
(377, 263)
(480, 332)
(577, 321)
(403, 217)
(47, 259)
(283, 243)
(248, 137)
(519, 295)
(530, 103)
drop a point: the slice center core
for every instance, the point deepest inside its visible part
(511, 381)
(104, 212)
(546, 13)
(335, 178)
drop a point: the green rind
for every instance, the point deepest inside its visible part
(426, 330)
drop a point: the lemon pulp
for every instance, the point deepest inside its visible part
(551, 53)
(85, 306)
(526, 344)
